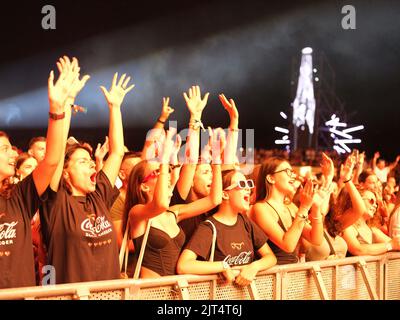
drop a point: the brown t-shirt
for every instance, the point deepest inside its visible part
(117, 209)
(236, 244)
(16, 252)
(80, 237)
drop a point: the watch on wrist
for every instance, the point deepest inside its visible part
(225, 265)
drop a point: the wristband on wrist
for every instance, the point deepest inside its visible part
(348, 180)
(303, 217)
(158, 120)
(55, 116)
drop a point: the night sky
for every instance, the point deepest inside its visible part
(248, 50)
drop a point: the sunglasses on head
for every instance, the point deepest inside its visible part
(241, 184)
(154, 174)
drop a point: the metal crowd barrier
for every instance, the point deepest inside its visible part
(354, 278)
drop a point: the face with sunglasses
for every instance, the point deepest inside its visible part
(370, 203)
(284, 179)
(238, 192)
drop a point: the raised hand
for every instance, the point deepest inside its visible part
(218, 143)
(167, 146)
(327, 168)
(194, 101)
(102, 150)
(229, 106)
(166, 110)
(360, 163)
(118, 90)
(307, 195)
(78, 83)
(175, 151)
(377, 155)
(59, 91)
(346, 170)
(320, 196)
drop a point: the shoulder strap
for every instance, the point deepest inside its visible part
(279, 217)
(124, 251)
(142, 249)
(333, 251)
(214, 240)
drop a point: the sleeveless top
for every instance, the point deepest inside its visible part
(360, 238)
(329, 246)
(161, 252)
(282, 256)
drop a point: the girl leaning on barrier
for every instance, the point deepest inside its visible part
(363, 239)
(238, 241)
(281, 220)
(75, 218)
(19, 202)
(147, 208)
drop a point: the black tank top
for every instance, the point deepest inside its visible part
(162, 251)
(282, 256)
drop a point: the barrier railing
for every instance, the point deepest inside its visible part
(355, 278)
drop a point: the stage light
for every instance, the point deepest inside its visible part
(282, 141)
(315, 70)
(283, 115)
(340, 145)
(283, 130)
(304, 103)
(316, 79)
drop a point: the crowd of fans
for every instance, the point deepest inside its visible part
(107, 213)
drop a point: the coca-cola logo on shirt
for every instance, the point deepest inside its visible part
(99, 228)
(242, 258)
(8, 232)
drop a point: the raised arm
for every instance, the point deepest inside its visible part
(358, 206)
(215, 197)
(287, 241)
(196, 106)
(233, 130)
(114, 98)
(394, 164)
(374, 159)
(160, 201)
(100, 153)
(157, 130)
(62, 95)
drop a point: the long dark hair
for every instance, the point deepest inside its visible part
(6, 186)
(134, 194)
(263, 188)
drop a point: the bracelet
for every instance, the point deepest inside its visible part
(233, 130)
(196, 124)
(55, 116)
(303, 217)
(348, 180)
(174, 166)
(158, 120)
